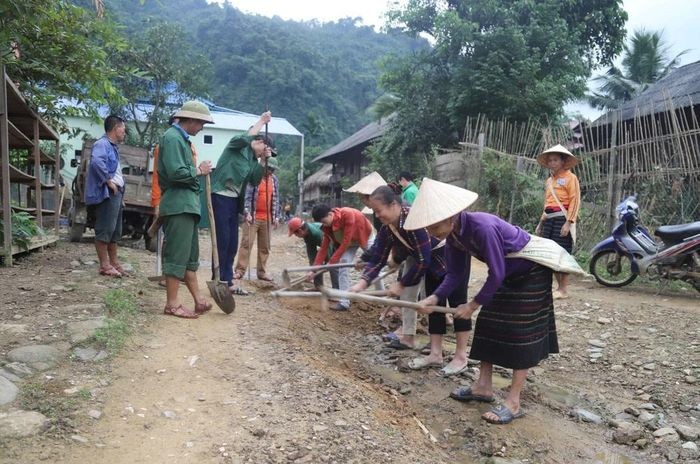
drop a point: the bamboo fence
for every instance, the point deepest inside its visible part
(653, 155)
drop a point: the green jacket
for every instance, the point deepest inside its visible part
(177, 175)
(409, 193)
(238, 165)
(313, 241)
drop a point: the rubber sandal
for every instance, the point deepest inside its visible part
(179, 311)
(201, 308)
(265, 278)
(238, 275)
(448, 371)
(238, 291)
(422, 363)
(465, 394)
(398, 345)
(505, 415)
(110, 272)
(338, 307)
(391, 336)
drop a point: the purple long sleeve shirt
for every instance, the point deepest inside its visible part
(489, 239)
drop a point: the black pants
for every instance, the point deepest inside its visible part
(437, 322)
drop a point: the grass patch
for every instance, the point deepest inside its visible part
(49, 400)
(123, 310)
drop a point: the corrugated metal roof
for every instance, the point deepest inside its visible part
(368, 133)
(224, 118)
(680, 87)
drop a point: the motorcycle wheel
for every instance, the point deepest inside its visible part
(612, 269)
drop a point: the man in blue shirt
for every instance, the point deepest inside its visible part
(104, 189)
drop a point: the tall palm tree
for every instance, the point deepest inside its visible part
(645, 60)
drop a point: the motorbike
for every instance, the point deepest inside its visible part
(631, 251)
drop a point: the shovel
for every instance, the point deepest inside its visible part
(219, 290)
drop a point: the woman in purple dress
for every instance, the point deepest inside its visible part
(515, 327)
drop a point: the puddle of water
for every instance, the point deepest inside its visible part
(560, 395)
(390, 374)
(608, 457)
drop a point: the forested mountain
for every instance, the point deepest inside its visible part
(321, 77)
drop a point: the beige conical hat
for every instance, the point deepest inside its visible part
(367, 184)
(569, 162)
(437, 201)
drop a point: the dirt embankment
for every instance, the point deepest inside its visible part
(284, 381)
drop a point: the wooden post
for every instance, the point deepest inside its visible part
(518, 169)
(38, 203)
(612, 215)
(481, 142)
(5, 163)
(57, 180)
(300, 205)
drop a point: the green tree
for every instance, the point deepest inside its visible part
(645, 60)
(55, 50)
(517, 59)
(167, 70)
(302, 70)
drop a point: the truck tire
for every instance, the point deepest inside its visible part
(76, 232)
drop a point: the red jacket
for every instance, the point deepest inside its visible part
(354, 227)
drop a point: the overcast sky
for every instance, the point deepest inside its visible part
(679, 20)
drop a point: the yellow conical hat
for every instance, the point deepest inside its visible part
(569, 161)
(367, 184)
(437, 201)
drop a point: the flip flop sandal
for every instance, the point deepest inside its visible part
(505, 415)
(448, 371)
(110, 272)
(391, 336)
(398, 345)
(265, 278)
(422, 363)
(201, 308)
(238, 291)
(179, 311)
(465, 394)
(238, 275)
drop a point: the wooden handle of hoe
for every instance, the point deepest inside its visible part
(339, 294)
(212, 225)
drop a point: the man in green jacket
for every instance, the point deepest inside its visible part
(312, 235)
(241, 163)
(408, 195)
(180, 209)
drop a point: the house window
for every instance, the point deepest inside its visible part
(208, 139)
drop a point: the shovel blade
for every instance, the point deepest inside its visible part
(222, 296)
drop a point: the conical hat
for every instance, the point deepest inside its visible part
(367, 184)
(569, 162)
(437, 201)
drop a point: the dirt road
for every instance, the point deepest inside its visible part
(284, 381)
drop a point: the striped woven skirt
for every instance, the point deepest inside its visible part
(551, 229)
(516, 329)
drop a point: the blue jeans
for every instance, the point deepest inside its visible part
(226, 218)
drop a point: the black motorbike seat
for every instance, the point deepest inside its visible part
(677, 233)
